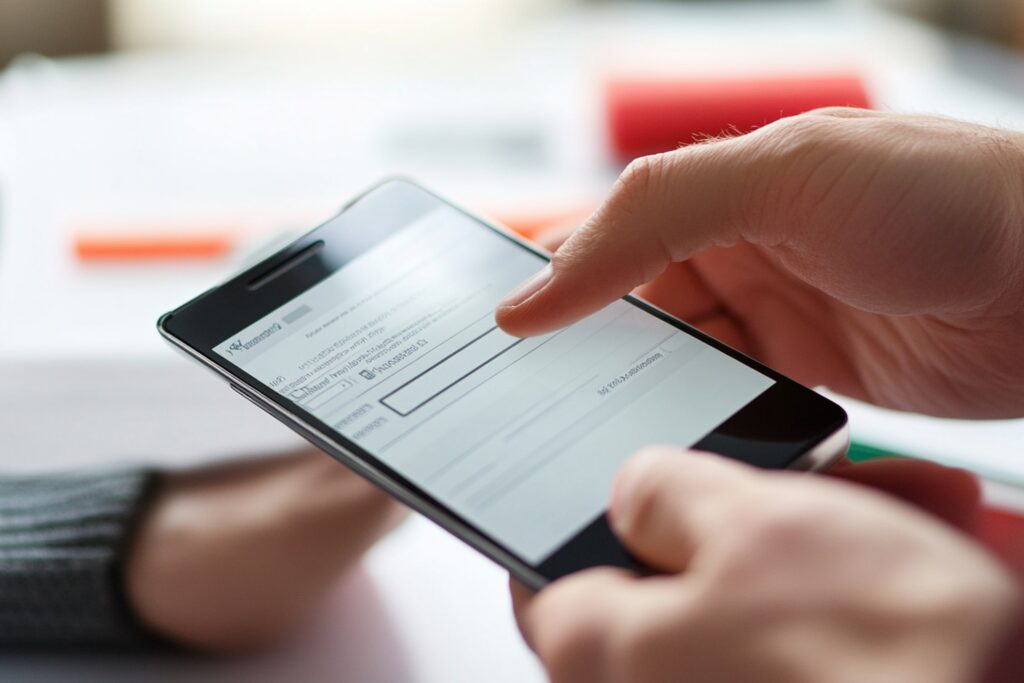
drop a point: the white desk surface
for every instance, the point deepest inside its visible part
(273, 142)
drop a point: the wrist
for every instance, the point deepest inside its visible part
(233, 556)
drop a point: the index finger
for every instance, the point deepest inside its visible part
(663, 208)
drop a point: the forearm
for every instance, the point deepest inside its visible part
(224, 557)
(232, 557)
(63, 539)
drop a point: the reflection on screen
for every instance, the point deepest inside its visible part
(399, 353)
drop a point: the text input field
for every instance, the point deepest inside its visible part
(449, 371)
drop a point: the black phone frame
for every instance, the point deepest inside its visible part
(774, 431)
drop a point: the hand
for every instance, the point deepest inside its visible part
(878, 254)
(772, 576)
(233, 556)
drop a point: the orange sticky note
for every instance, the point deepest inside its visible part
(152, 247)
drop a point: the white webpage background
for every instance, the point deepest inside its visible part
(526, 446)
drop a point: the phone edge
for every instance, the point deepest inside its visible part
(435, 513)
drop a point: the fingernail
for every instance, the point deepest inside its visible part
(623, 498)
(616, 512)
(528, 288)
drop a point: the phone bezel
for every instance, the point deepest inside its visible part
(788, 426)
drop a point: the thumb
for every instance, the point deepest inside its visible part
(668, 502)
(663, 208)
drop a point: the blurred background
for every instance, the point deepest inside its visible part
(149, 148)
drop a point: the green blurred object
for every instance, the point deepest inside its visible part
(861, 452)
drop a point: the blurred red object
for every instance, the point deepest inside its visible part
(1003, 532)
(651, 116)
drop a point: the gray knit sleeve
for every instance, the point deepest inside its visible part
(62, 539)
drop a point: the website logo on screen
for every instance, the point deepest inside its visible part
(238, 346)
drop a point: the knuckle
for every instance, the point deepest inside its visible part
(641, 178)
(636, 178)
(796, 149)
(838, 112)
(767, 535)
(788, 516)
(562, 258)
(783, 524)
(796, 133)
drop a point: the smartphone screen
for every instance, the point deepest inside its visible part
(398, 352)
(390, 346)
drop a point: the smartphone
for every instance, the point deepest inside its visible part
(373, 336)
